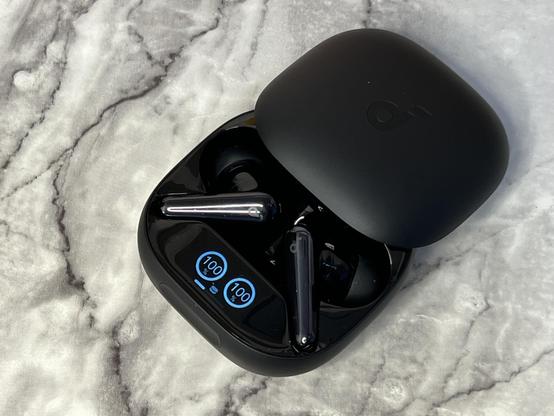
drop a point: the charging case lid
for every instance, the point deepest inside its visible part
(385, 135)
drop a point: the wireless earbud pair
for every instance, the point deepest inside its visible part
(306, 264)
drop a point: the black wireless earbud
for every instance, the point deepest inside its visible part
(300, 279)
(318, 270)
(245, 206)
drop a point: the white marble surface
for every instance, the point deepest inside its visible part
(99, 99)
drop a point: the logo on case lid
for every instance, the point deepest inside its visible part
(386, 115)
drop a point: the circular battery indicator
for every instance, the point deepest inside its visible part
(211, 266)
(239, 292)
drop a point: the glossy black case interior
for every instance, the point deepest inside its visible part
(385, 142)
(258, 337)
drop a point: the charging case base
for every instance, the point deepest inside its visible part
(257, 337)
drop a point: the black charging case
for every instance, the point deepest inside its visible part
(369, 142)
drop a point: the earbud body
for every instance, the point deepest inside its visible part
(244, 206)
(301, 266)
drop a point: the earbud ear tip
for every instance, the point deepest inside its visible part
(237, 169)
(366, 285)
(335, 277)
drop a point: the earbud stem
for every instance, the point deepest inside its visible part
(246, 206)
(301, 281)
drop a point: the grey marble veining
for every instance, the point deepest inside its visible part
(98, 100)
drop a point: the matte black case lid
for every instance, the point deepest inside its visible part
(384, 134)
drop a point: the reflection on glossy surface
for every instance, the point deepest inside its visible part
(300, 270)
(247, 206)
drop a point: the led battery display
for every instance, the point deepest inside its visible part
(225, 282)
